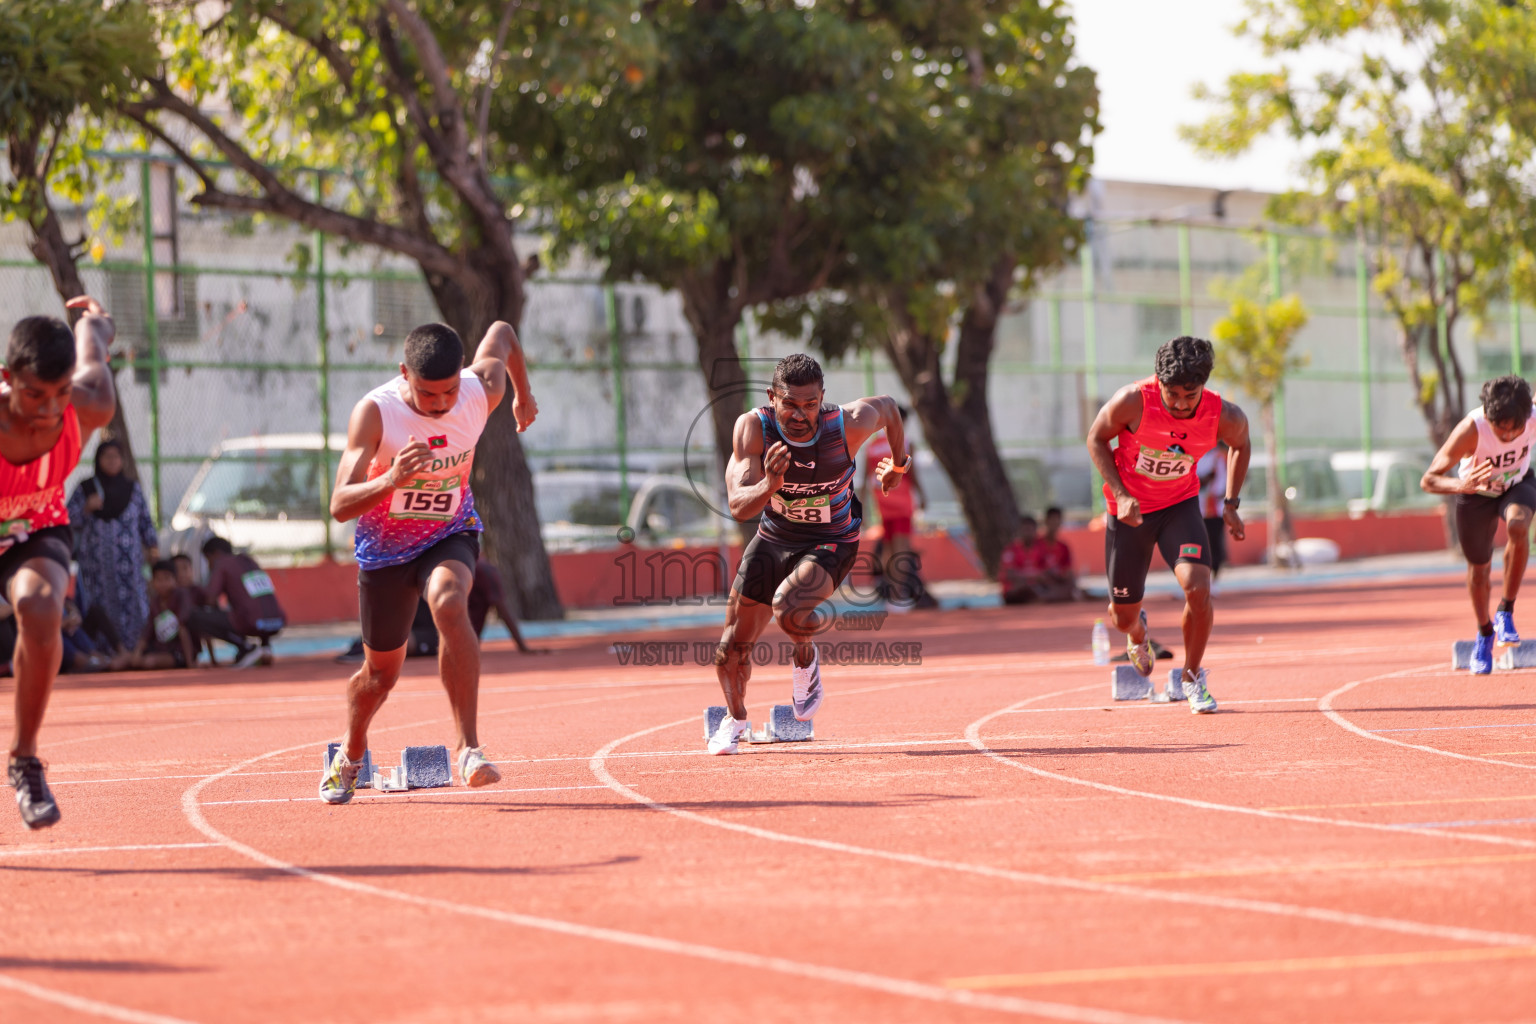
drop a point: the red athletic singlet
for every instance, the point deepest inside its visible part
(32, 493)
(1157, 462)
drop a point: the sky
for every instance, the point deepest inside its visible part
(1148, 55)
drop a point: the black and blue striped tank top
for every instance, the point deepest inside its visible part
(816, 502)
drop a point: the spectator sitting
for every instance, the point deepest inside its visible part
(1020, 580)
(197, 597)
(81, 653)
(253, 610)
(1053, 559)
(166, 641)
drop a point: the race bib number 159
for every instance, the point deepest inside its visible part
(436, 500)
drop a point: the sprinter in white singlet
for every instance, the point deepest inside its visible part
(1492, 449)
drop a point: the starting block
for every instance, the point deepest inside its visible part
(1521, 655)
(1128, 684)
(364, 774)
(394, 782)
(425, 767)
(782, 726)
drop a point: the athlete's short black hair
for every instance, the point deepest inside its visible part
(164, 565)
(43, 346)
(1185, 362)
(434, 352)
(217, 544)
(1507, 400)
(796, 371)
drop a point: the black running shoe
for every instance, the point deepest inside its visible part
(32, 793)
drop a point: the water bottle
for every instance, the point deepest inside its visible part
(1100, 642)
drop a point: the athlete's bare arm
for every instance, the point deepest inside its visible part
(752, 475)
(498, 357)
(354, 493)
(93, 396)
(1232, 428)
(865, 417)
(1460, 445)
(1122, 412)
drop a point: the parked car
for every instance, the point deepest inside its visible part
(1028, 475)
(1395, 476)
(1311, 485)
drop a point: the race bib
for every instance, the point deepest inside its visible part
(14, 531)
(816, 509)
(1160, 465)
(167, 627)
(433, 499)
(257, 583)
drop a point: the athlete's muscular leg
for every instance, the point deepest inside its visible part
(366, 693)
(745, 620)
(37, 593)
(797, 605)
(1199, 612)
(458, 654)
(1479, 587)
(1517, 550)
(1127, 619)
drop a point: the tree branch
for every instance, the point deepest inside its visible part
(483, 118)
(322, 44)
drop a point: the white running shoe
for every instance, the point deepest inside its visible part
(807, 688)
(248, 658)
(476, 769)
(1200, 700)
(727, 734)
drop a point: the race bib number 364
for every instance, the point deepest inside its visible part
(436, 500)
(1161, 465)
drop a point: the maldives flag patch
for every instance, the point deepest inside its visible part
(438, 442)
(1189, 550)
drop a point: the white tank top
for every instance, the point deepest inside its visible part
(438, 502)
(1510, 461)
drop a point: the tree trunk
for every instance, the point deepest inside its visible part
(714, 314)
(501, 479)
(1282, 535)
(50, 248)
(959, 427)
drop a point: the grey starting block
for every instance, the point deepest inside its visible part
(712, 717)
(1522, 655)
(1128, 684)
(364, 774)
(784, 727)
(425, 767)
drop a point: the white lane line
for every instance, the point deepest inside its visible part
(1131, 705)
(43, 851)
(398, 798)
(92, 1006)
(1455, 933)
(1326, 707)
(654, 943)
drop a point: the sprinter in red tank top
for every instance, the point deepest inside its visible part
(1163, 425)
(56, 389)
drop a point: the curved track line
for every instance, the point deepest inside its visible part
(973, 735)
(1454, 933)
(83, 1005)
(1325, 705)
(653, 943)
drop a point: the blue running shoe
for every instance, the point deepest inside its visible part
(1482, 656)
(1504, 630)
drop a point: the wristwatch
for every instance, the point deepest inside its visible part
(905, 466)
(1231, 502)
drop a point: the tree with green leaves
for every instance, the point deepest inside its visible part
(63, 64)
(1409, 149)
(1253, 350)
(397, 94)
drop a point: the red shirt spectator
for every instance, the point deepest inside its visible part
(253, 606)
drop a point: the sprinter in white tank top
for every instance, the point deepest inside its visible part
(1491, 449)
(405, 477)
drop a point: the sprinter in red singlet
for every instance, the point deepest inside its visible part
(1163, 425)
(56, 389)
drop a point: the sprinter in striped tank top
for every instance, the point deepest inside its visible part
(57, 390)
(1491, 449)
(792, 460)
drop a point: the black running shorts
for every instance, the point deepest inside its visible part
(388, 597)
(1177, 531)
(55, 543)
(765, 564)
(1478, 515)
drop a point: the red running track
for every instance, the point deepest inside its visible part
(982, 837)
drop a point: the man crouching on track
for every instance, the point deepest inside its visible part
(58, 388)
(793, 461)
(1492, 445)
(1164, 424)
(405, 478)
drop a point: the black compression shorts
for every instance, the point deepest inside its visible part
(1178, 531)
(1478, 515)
(55, 543)
(765, 564)
(388, 597)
